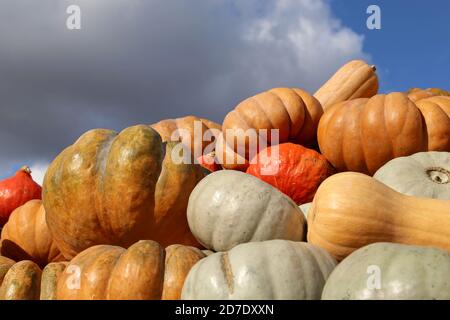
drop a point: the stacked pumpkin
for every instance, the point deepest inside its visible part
(148, 213)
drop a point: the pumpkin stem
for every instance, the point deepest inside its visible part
(373, 67)
(439, 175)
(25, 169)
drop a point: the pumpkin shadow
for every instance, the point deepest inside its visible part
(13, 251)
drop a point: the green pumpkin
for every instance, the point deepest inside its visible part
(390, 271)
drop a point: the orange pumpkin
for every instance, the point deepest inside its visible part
(293, 112)
(363, 134)
(143, 272)
(417, 94)
(189, 130)
(436, 112)
(27, 237)
(293, 169)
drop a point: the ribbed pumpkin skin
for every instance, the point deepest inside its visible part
(269, 270)
(27, 237)
(118, 188)
(178, 263)
(416, 94)
(351, 210)
(21, 282)
(294, 112)
(230, 207)
(363, 134)
(49, 280)
(406, 273)
(183, 129)
(291, 168)
(173, 188)
(5, 265)
(436, 112)
(356, 79)
(144, 271)
(423, 174)
(16, 191)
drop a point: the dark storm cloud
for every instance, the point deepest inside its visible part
(143, 61)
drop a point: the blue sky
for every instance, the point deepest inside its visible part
(412, 47)
(144, 61)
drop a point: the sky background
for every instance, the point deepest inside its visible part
(141, 61)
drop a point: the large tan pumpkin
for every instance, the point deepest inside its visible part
(294, 112)
(27, 237)
(144, 271)
(363, 134)
(184, 130)
(118, 188)
(351, 210)
(356, 79)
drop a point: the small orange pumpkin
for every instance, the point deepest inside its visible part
(291, 168)
(16, 191)
(27, 237)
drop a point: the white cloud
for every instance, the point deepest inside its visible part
(38, 171)
(310, 42)
(151, 60)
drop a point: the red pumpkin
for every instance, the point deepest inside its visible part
(16, 191)
(293, 169)
(209, 162)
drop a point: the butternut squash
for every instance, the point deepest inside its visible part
(355, 79)
(351, 210)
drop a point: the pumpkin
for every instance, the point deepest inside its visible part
(351, 210)
(436, 112)
(5, 265)
(231, 207)
(363, 134)
(227, 158)
(269, 270)
(179, 261)
(118, 188)
(209, 162)
(49, 281)
(16, 191)
(293, 112)
(191, 131)
(356, 79)
(416, 94)
(291, 168)
(21, 282)
(144, 271)
(389, 271)
(423, 174)
(26, 236)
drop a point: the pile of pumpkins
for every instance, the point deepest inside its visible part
(356, 204)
